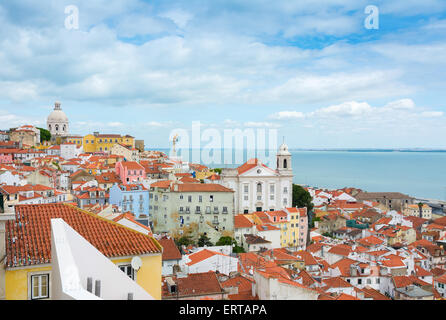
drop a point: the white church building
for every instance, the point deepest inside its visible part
(260, 188)
(57, 122)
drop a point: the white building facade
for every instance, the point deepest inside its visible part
(260, 188)
(57, 122)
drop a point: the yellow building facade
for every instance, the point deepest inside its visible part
(18, 280)
(104, 142)
(77, 140)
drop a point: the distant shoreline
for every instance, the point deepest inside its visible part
(329, 149)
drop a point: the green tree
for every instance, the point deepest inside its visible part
(184, 241)
(302, 198)
(225, 241)
(45, 135)
(238, 249)
(217, 170)
(204, 241)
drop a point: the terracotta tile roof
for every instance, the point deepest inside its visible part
(441, 279)
(393, 261)
(131, 165)
(189, 180)
(370, 241)
(108, 177)
(201, 256)
(243, 284)
(251, 259)
(341, 249)
(170, 250)
(438, 271)
(401, 281)
(314, 247)
(374, 294)
(164, 184)
(195, 284)
(251, 163)
(336, 282)
(201, 187)
(306, 257)
(420, 272)
(307, 279)
(29, 236)
(344, 296)
(253, 239)
(344, 266)
(279, 255)
(241, 221)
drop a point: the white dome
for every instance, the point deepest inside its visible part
(57, 116)
(57, 121)
(283, 150)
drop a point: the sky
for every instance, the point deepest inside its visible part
(309, 69)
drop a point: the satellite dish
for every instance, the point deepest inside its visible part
(136, 263)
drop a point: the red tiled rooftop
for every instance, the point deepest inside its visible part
(170, 250)
(195, 284)
(241, 221)
(29, 236)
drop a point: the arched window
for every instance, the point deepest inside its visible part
(64, 127)
(49, 127)
(57, 127)
(259, 187)
(284, 163)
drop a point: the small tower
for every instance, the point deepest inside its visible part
(284, 165)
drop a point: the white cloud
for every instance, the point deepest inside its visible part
(403, 104)
(432, 114)
(346, 109)
(287, 115)
(261, 124)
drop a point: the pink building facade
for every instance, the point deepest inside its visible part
(130, 172)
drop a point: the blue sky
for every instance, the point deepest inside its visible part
(309, 69)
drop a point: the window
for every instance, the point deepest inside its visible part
(285, 190)
(259, 187)
(359, 281)
(200, 198)
(208, 209)
(128, 270)
(189, 198)
(369, 281)
(271, 188)
(40, 288)
(211, 198)
(225, 210)
(246, 188)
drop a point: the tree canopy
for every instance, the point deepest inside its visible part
(45, 135)
(204, 241)
(302, 198)
(225, 241)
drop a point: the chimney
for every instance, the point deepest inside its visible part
(4, 217)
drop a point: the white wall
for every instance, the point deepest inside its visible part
(74, 259)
